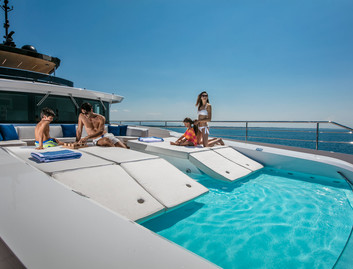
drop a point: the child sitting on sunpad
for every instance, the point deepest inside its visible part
(189, 137)
(41, 132)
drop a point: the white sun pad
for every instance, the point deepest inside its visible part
(217, 166)
(238, 158)
(118, 155)
(220, 162)
(165, 148)
(164, 182)
(113, 188)
(85, 161)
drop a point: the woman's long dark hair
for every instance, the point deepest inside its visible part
(198, 101)
(192, 124)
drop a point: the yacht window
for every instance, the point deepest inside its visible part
(14, 107)
(22, 107)
(63, 107)
(97, 109)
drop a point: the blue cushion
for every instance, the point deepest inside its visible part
(1, 138)
(115, 130)
(69, 130)
(8, 132)
(123, 129)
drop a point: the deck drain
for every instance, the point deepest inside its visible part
(291, 174)
(140, 201)
(312, 177)
(335, 181)
(188, 185)
(188, 170)
(227, 172)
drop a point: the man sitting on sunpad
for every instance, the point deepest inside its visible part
(94, 125)
(41, 132)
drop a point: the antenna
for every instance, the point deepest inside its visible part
(8, 37)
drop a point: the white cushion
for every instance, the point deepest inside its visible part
(85, 161)
(55, 131)
(125, 138)
(239, 158)
(113, 188)
(118, 155)
(25, 132)
(11, 143)
(165, 148)
(67, 139)
(163, 181)
(217, 166)
(136, 131)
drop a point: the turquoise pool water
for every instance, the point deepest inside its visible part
(272, 219)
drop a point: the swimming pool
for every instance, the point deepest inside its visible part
(270, 219)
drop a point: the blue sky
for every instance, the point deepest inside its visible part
(257, 59)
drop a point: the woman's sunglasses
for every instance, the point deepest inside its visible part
(204, 95)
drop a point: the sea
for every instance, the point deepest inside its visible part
(334, 140)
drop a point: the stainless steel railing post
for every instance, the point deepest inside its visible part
(317, 136)
(246, 131)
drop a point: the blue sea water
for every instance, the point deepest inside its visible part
(271, 219)
(303, 137)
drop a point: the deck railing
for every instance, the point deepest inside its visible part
(315, 128)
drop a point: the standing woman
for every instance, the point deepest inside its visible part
(204, 112)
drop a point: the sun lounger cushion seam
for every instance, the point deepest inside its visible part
(74, 169)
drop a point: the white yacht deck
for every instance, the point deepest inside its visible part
(47, 225)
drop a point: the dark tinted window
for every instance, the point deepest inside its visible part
(63, 107)
(22, 107)
(14, 107)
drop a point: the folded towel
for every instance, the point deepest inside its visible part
(53, 156)
(151, 139)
